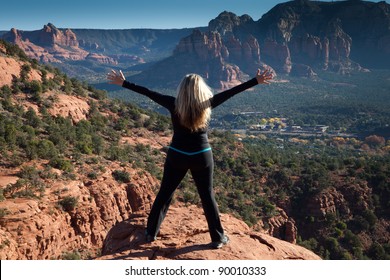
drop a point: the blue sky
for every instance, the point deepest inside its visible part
(122, 14)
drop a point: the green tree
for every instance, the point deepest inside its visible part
(24, 72)
(35, 88)
(32, 118)
(10, 134)
(67, 85)
(46, 149)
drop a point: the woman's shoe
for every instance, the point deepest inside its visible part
(149, 238)
(219, 244)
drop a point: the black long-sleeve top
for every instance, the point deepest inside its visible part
(184, 139)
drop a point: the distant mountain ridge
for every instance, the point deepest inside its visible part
(107, 47)
(132, 41)
(297, 38)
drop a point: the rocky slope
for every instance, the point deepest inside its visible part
(184, 235)
(11, 68)
(41, 229)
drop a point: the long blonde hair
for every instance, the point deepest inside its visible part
(193, 102)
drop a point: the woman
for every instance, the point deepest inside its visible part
(189, 148)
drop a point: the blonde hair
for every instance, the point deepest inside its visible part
(193, 102)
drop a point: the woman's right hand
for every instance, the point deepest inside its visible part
(116, 78)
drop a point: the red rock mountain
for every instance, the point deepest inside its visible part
(53, 45)
(297, 37)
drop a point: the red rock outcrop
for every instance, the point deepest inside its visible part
(221, 59)
(329, 202)
(9, 68)
(101, 58)
(226, 22)
(70, 106)
(40, 229)
(51, 44)
(283, 227)
(244, 53)
(74, 107)
(51, 35)
(278, 55)
(311, 49)
(343, 200)
(318, 33)
(32, 50)
(184, 236)
(204, 46)
(206, 54)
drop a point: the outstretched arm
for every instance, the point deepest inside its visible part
(261, 78)
(117, 78)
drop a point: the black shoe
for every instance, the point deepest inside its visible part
(219, 244)
(149, 238)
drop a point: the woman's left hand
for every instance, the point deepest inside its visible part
(264, 77)
(116, 78)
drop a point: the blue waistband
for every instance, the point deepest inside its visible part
(190, 154)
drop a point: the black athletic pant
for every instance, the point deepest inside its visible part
(176, 166)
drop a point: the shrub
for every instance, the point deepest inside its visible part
(92, 175)
(376, 252)
(98, 94)
(3, 212)
(61, 164)
(68, 203)
(121, 176)
(32, 118)
(71, 256)
(46, 149)
(24, 72)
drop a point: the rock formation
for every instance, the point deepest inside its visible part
(69, 106)
(51, 44)
(223, 62)
(278, 55)
(227, 22)
(101, 59)
(298, 38)
(283, 227)
(10, 68)
(41, 229)
(319, 32)
(184, 236)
